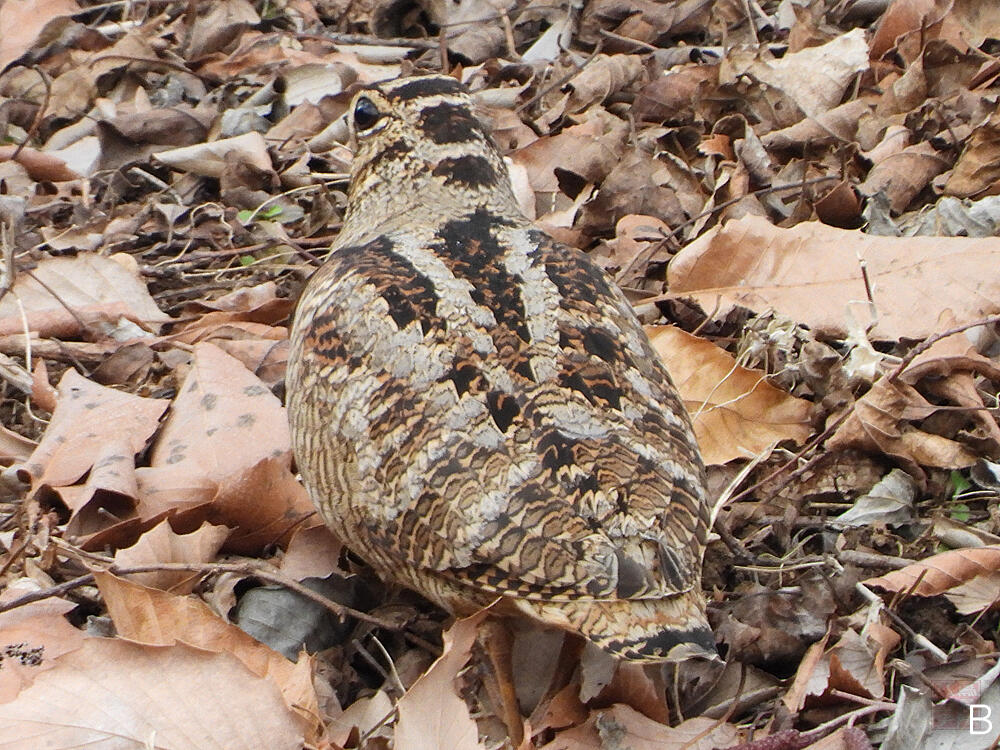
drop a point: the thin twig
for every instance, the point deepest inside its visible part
(37, 121)
(927, 343)
(562, 80)
(248, 569)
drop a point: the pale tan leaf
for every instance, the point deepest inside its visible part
(431, 713)
(158, 618)
(736, 412)
(209, 159)
(65, 294)
(812, 274)
(88, 420)
(32, 638)
(226, 442)
(161, 545)
(114, 694)
(631, 729)
(21, 22)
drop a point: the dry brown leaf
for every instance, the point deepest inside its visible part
(161, 545)
(631, 729)
(811, 676)
(157, 618)
(112, 693)
(603, 76)
(22, 22)
(590, 150)
(40, 166)
(209, 159)
(880, 422)
(226, 442)
(14, 448)
(313, 552)
(812, 274)
(97, 290)
(903, 175)
(815, 79)
(89, 424)
(431, 714)
(32, 638)
(978, 168)
(736, 412)
(942, 572)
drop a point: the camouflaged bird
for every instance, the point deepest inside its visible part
(475, 409)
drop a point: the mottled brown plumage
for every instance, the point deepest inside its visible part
(476, 410)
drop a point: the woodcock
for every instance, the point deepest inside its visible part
(475, 409)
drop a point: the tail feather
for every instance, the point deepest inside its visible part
(646, 630)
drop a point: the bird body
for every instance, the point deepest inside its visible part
(475, 409)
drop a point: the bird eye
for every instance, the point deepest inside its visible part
(366, 114)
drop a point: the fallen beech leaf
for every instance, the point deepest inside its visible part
(978, 168)
(22, 22)
(313, 552)
(431, 713)
(39, 165)
(225, 450)
(942, 572)
(88, 419)
(812, 274)
(14, 448)
(903, 175)
(158, 618)
(95, 289)
(32, 638)
(209, 159)
(631, 729)
(814, 78)
(880, 422)
(735, 411)
(111, 693)
(161, 545)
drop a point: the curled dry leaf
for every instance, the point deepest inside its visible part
(881, 421)
(814, 78)
(209, 159)
(736, 412)
(903, 175)
(978, 168)
(812, 274)
(67, 296)
(29, 18)
(161, 545)
(943, 573)
(40, 166)
(631, 729)
(112, 693)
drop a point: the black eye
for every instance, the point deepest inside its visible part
(366, 114)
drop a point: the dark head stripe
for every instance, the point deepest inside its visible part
(470, 171)
(420, 87)
(450, 123)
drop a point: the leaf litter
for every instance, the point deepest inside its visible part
(798, 199)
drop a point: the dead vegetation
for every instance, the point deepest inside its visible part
(171, 172)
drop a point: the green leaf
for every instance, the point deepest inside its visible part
(959, 512)
(246, 260)
(959, 484)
